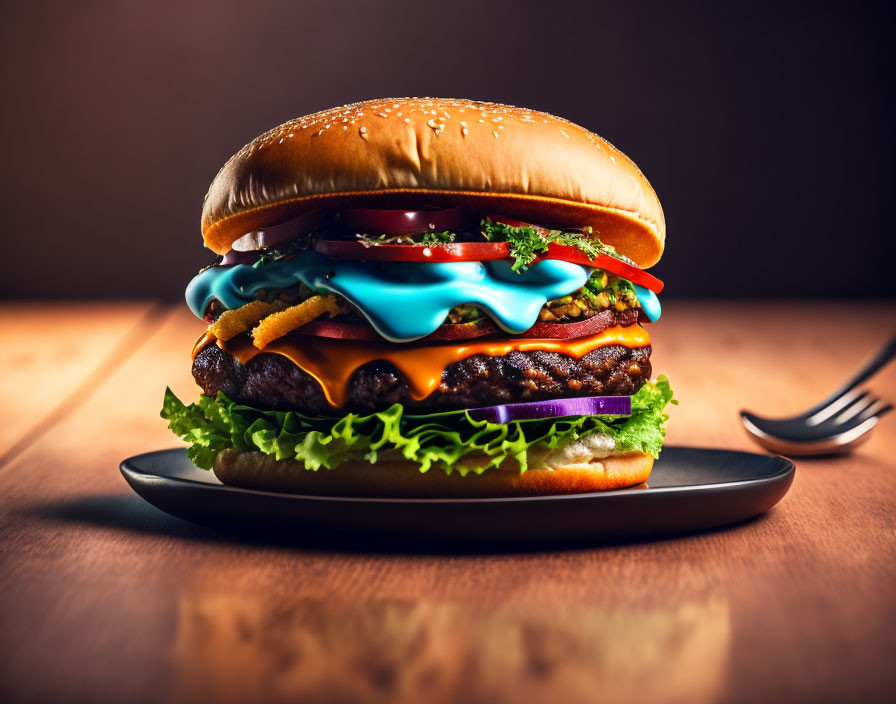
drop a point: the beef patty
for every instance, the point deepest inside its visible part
(272, 382)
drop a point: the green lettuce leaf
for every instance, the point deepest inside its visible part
(438, 440)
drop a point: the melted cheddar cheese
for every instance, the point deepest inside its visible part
(332, 362)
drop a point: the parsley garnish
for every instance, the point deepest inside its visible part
(286, 250)
(526, 241)
(432, 239)
(438, 238)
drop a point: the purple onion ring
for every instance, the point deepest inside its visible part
(555, 408)
(279, 233)
(236, 257)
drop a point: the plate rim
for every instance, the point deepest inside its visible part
(787, 470)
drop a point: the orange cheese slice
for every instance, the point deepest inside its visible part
(332, 362)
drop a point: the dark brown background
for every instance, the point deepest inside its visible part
(765, 130)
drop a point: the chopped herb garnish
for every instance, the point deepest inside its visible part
(437, 238)
(527, 240)
(287, 250)
(377, 240)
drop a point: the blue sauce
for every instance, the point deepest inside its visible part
(650, 304)
(402, 300)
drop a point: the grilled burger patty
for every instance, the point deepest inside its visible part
(272, 382)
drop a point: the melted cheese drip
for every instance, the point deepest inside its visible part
(332, 362)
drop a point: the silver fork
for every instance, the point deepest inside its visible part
(835, 425)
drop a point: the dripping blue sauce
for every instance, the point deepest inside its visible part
(404, 301)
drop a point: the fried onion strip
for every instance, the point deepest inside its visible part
(279, 324)
(233, 322)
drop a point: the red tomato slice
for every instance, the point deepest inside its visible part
(392, 222)
(570, 254)
(512, 222)
(455, 252)
(404, 222)
(461, 331)
(579, 328)
(603, 261)
(479, 252)
(363, 331)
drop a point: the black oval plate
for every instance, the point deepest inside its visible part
(689, 490)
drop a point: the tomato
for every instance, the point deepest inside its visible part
(603, 261)
(512, 222)
(580, 328)
(404, 222)
(455, 252)
(390, 220)
(479, 252)
(570, 254)
(462, 331)
(364, 331)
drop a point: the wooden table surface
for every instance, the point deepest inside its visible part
(103, 597)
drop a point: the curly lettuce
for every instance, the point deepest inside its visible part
(437, 440)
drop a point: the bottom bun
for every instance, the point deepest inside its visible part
(403, 479)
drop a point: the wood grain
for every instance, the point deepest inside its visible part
(49, 351)
(103, 597)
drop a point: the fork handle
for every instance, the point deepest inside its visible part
(877, 362)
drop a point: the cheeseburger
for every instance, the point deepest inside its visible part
(427, 298)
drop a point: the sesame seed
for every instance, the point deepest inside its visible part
(564, 134)
(465, 131)
(407, 119)
(613, 158)
(432, 124)
(495, 132)
(463, 124)
(382, 114)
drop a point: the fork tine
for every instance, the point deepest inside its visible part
(837, 405)
(856, 425)
(880, 359)
(876, 410)
(861, 404)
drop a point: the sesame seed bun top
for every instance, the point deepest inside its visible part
(437, 151)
